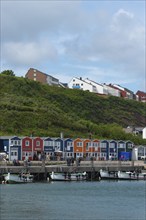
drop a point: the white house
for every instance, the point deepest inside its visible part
(144, 133)
(112, 91)
(79, 83)
(99, 88)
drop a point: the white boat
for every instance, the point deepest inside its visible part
(68, 176)
(21, 178)
(104, 174)
(131, 176)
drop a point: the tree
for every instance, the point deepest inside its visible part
(8, 72)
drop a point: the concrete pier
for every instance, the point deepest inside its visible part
(42, 169)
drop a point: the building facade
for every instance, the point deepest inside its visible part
(41, 77)
(33, 148)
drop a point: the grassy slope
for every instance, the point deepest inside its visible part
(28, 106)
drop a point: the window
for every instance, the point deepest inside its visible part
(121, 145)
(69, 143)
(48, 143)
(103, 144)
(95, 144)
(34, 74)
(34, 79)
(129, 145)
(79, 144)
(26, 143)
(15, 142)
(112, 145)
(38, 143)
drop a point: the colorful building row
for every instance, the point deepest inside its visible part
(21, 148)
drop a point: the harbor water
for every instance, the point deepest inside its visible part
(104, 200)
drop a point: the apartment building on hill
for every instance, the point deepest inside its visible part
(41, 77)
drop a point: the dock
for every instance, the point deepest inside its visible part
(42, 169)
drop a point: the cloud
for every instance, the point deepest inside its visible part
(119, 44)
(30, 53)
(108, 45)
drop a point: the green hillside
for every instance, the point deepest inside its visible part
(28, 107)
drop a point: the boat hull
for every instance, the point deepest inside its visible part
(68, 176)
(131, 176)
(13, 178)
(104, 174)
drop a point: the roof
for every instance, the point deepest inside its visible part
(41, 72)
(94, 82)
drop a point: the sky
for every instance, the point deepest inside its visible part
(102, 40)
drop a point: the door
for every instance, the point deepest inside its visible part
(14, 154)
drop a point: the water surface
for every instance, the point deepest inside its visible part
(104, 200)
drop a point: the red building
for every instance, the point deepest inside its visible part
(38, 146)
(141, 95)
(27, 150)
(31, 147)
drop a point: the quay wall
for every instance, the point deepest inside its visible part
(61, 166)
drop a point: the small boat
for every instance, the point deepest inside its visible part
(21, 178)
(104, 174)
(68, 176)
(131, 176)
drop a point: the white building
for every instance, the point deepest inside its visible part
(99, 88)
(79, 83)
(112, 91)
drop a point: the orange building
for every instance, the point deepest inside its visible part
(78, 147)
(91, 149)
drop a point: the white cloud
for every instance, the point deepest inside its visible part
(30, 53)
(109, 46)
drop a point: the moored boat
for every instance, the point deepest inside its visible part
(21, 178)
(131, 176)
(104, 174)
(68, 176)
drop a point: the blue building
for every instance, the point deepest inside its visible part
(15, 149)
(68, 148)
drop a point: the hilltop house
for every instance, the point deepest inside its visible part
(79, 83)
(99, 87)
(121, 90)
(141, 96)
(41, 77)
(111, 90)
(91, 86)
